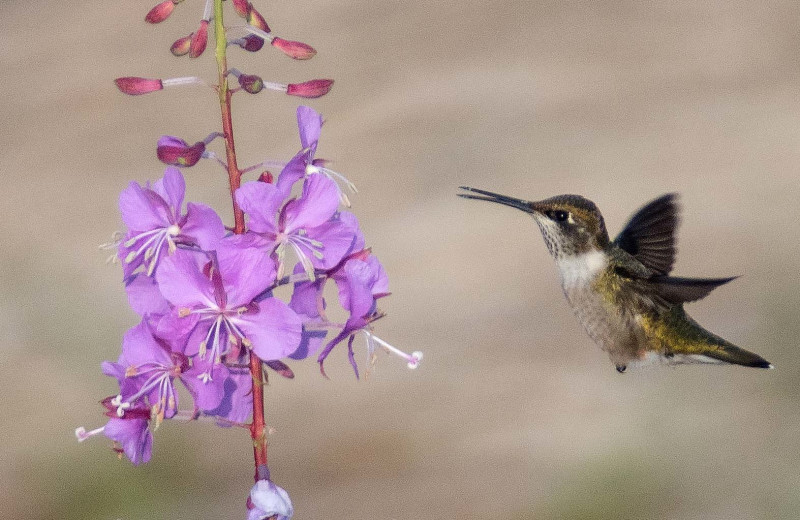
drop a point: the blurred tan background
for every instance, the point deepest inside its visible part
(514, 413)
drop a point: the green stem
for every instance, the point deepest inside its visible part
(257, 427)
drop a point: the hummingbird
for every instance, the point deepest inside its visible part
(621, 290)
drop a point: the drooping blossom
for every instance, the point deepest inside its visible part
(214, 309)
(155, 220)
(361, 282)
(309, 122)
(131, 432)
(308, 225)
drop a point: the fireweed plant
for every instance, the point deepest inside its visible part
(210, 318)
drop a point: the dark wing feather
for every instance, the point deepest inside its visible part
(650, 234)
(681, 290)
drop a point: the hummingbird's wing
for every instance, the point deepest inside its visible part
(681, 290)
(649, 236)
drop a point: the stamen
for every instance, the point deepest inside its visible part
(413, 359)
(81, 434)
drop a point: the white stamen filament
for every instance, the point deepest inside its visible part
(81, 434)
(413, 359)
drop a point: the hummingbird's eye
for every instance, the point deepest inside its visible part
(558, 215)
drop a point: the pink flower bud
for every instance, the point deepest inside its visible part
(199, 40)
(250, 83)
(182, 45)
(160, 12)
(310, 89)
(137, 86)
(242, 7)
(267, 177)
(252, 43)
(177, 152)
(295, 50)
(255, 19)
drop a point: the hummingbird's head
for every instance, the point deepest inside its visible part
(570, 224)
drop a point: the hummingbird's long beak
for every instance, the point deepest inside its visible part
(524, 205)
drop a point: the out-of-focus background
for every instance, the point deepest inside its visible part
(514, 413)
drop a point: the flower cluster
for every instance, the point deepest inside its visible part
(207, 297)
(218, 304)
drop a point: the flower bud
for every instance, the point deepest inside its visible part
(295, 50)
(310, 89)
(250, 83)
(242, 7)
(181, 46)
(177, 152)
(160, 12)
(268, 500)
(255, 19)
(199, 40)
(252, 43)
(267, 177)
(137, 86)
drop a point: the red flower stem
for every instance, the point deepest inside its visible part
(257, 427)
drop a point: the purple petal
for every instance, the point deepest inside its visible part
(133, 435)
(309, 122)
(203, 226)
(140, 347)
(246, 272)
(337, 240)
(207, 395)
(307, 296)
(274, 330)
(144, 296)
(260, 200)
(355, 282)
(237, 401)
(310, 342)
(351, 221)
(294, 170)
(171, 188)
(317, 204)
(182, 282)
(141, 209)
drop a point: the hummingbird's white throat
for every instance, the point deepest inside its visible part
(579, 270)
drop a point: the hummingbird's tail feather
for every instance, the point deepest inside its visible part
(683, 340)
(728, 353)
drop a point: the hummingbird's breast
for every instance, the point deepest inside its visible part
(588, 285)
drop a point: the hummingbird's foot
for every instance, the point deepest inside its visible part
(621, 368)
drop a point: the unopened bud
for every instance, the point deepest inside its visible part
(177, 152)
(160, 12)
(242, 7)
(310, 89)
(181, 45)
(199, 40)
(255, 19)
(295, 50)
(250, 83)
(267, 177)
(252, 43)
(137, 86)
